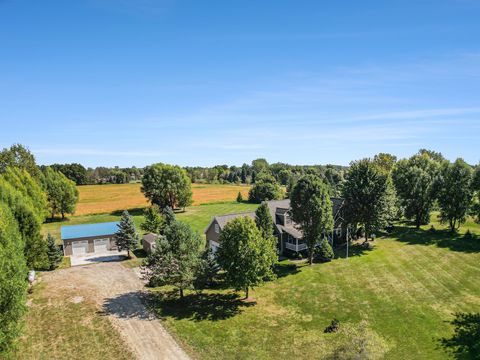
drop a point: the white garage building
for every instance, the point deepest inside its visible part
(89, 238)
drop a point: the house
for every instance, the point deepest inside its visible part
(288, 234)
(148, 242)
(89, 238)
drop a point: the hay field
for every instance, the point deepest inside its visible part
(100, 199)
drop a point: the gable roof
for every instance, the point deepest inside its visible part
(150, 238)
(222, 220)
(88, 230)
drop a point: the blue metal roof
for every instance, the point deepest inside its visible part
(87, 230)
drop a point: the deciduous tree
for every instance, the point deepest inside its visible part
(415, 181)
(455, 192)
(245, 255)
(365, 194)
(265, 188)
(167, 185)
(311, 210)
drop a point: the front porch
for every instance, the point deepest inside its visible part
(294, 244)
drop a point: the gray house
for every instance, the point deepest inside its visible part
(89, 238)
(288, 234)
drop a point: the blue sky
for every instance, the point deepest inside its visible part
(125, 82)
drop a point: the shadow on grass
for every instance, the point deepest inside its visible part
(286, 269)
(128, 306)
(354, 249)
(199, 307)
(133, 212)
(441, 238)
(465, 342)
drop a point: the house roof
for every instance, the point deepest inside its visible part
(222, 220)
(88, 230)
(150, 238)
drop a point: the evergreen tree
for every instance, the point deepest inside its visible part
(126, 236)
(168, 216)
(54, 253)
(264, 220)
(245, 255)
(239, 197)
(324, 251)
(153, 220)
(175, 259)
(206, 270)
(13, 284)
(312, 211)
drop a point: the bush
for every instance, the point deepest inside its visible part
(333, 327)
(324, 252)
(239, 197)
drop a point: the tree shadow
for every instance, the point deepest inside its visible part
(286, 269)
(354, 249)
(442, 238)
(133, 212)
(199, 306)
(465, 342)
(128, 306)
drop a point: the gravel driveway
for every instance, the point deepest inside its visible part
(118, 292)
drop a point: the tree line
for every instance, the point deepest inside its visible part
(28, 195)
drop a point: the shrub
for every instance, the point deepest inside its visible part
(239, 197)
(324, 252)
(333, 327)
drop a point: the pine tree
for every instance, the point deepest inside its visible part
(53, 252)
(153, 220)
(239, 197)
(168, 219)
(324, 251)
(264, 221)
(126, 236)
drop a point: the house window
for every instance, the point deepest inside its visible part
(217, 228)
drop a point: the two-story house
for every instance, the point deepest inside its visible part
(288, 234)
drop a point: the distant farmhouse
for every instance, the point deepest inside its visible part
(288, 234)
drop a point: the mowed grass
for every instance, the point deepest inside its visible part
(99, 199)
(406, 289)
(198, 217)
(58, 328)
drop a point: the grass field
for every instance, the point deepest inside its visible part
(58, 328)
(99, 199)
(406, 289)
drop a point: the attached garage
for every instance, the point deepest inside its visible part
(89, 238)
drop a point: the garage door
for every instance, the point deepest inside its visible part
(101, 245)
(79, 247)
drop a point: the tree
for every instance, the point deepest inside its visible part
(245, 255)
(126, 236)
(168, 218)
(365, 194)
(167, 185)
(265, 188)
(62, 193)
(239, 197)
(75, 172)
(264, 221)
(476, 179)
(19, 156)
(27, 203)
(260, 165)
(175, 259)
(68, 195)
(385, 161)
(13, 285)
(415, 181)
(455, 193)
(54, 253)
(311, 209)
(324, 252)
(153, 220)
(206, 270)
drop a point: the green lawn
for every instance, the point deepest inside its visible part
(198, 217)
(406, 289)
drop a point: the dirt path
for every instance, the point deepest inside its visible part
(118, 292)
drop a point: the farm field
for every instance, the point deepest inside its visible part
(405, 290)
(99, 199)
